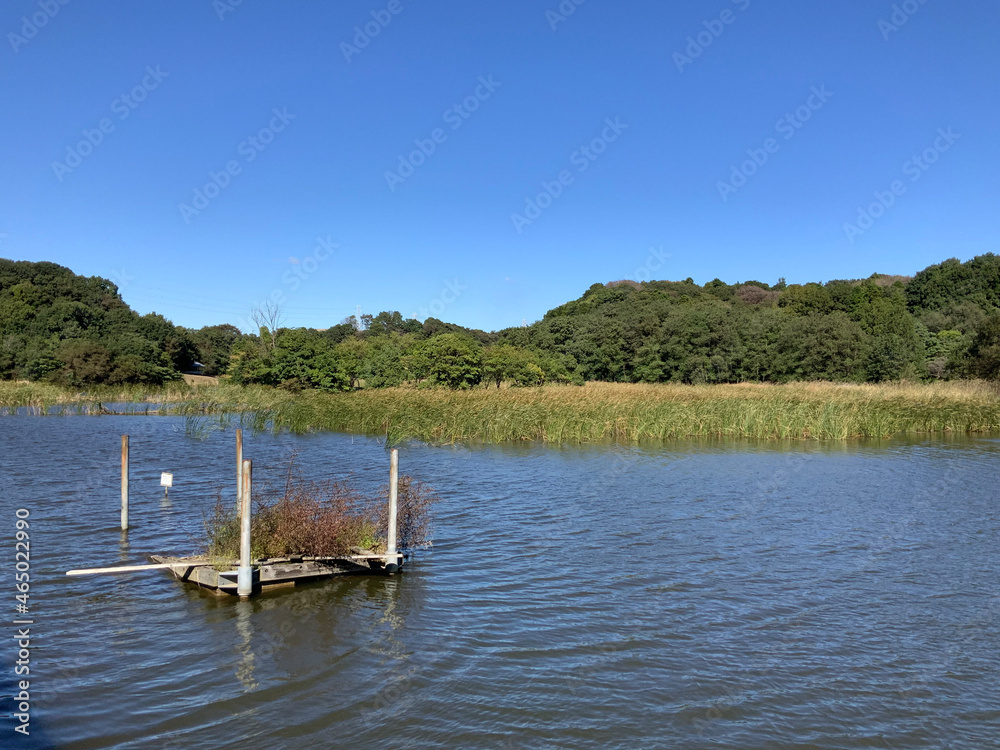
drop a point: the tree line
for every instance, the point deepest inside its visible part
(942, 323)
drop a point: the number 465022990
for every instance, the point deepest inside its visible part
(22, 556)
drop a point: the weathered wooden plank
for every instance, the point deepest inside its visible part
(130, 568)
(270, 572)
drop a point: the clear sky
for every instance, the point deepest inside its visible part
(629, 118)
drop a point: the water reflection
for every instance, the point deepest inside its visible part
(245, 646)
(123, 549)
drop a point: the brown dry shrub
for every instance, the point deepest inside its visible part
(322, 519)
(414, 500)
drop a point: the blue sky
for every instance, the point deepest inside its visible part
(558, 148)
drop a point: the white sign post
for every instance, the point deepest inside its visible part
(166, 482)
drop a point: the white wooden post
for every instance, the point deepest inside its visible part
(124, 482)
(244, 575)
(390, 544)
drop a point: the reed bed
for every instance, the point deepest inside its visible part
(596, 412)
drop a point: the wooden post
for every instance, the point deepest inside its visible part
(124, 482)
(244, 577)
(390, 564)
(239, 469)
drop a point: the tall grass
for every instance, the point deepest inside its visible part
(597, 412)
(45, 397)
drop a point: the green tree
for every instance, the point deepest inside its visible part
(382, 366)
(84, 362)
(249, 365)
(650, 368)
(808, 299)
(352, 354)
(455, 360)
(214, 345)
(984, 353)
(941, 286)
(302, 358)
(893, 348)
(824, 347)
(518, 366)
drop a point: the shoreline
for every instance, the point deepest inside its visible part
(623, 413)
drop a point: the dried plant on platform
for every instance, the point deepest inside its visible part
(323, 519)
(414, 499)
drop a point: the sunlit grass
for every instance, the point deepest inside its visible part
(597, 412)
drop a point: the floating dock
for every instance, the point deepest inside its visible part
(247, 577)
(278, 571)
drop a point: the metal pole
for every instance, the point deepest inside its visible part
(390, 563)
(244, 577)
(239, 469)
(124, 482)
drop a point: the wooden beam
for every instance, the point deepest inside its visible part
(134, 568)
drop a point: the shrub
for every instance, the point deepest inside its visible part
(414, 500)
(322, 519)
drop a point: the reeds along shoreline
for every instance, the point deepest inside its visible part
(596, 412)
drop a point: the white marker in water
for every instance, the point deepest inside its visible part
(166, 482)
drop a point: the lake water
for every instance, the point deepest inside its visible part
(693, 595)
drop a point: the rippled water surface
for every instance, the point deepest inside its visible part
(694, 595)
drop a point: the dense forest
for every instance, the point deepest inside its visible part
(942, 323)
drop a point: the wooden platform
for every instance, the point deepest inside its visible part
(278, 571)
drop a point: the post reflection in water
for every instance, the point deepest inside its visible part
(123, 548)
(245, 645)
